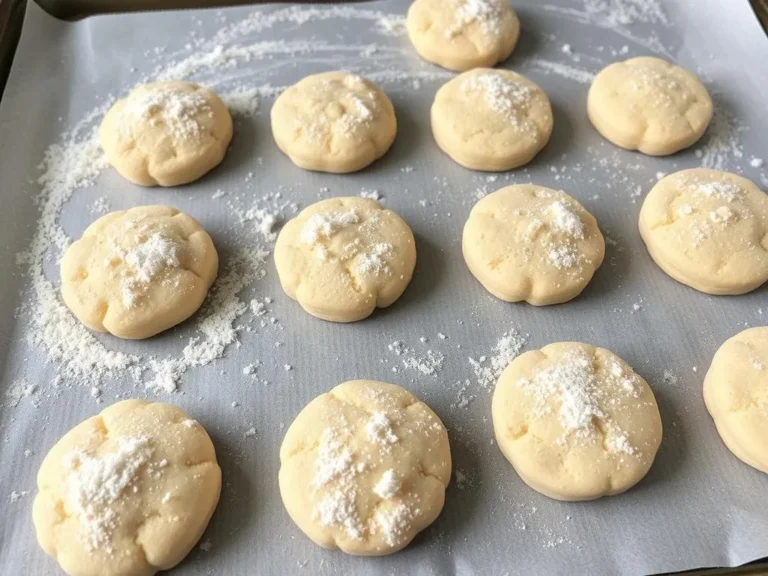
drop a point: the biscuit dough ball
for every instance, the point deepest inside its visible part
(342, 258)
(166, 133)
(364, 468)
(575, 421)
(463, 34)
(709, 230)
(137, 272)
(492, 120)
(128, 492)
(333, 122)
(650, 105)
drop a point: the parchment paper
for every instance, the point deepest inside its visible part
(698, 506)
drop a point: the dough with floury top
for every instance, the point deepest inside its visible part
(128, 492)
(364, 468)
(333, 122)
(527, 242)
(491, 120)
(342, 258)
(736, 395)
(166, 133)
(137, 272)
(575, 421)
(463, 34)
(709, 230)
(649, 105)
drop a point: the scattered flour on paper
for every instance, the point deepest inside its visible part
(428, 364)
(507, 348)
(721, 144)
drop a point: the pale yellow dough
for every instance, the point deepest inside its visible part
(736, 395)
(166, 133)
(463, 34)
(364, 468)
(128, 492)
(491, 120)
(333, 122)
(650, 105)
(575, 421)
(708, 230)
(138, 272)
(527, 242)
(342, 258)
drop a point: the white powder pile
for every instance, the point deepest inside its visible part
(486, 13)
(338, 509)
(572, 383)
(323, 226)
(379, 430)
(563, 257)
(243, 101)
(180, 111)
(375, 261)
(395, 522)
(334, 463)
(146, 260)
(95, 482)
(721, 215)
(566, 220)
(487, 371)
(388, 486)
(717, 190)
(371, 195)
(500, 94)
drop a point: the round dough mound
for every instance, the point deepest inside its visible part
(166, 133)
(527, 242)
(138, 272)
(650, 105)
(463, 34)
(342, 258)
(491, 120)
(708, 230)
(575, 421)
(128, 492)
(334, 122)
(364, 468)
(736, 395)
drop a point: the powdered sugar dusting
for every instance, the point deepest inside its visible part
(178, 110)
(95, 482)
(572, 383)
(322, 226)
(500, 93)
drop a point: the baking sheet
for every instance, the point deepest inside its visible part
(698, 506)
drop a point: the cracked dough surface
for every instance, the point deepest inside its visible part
(166, 133)
(736, 395)
(575, 421)
(128, 492)
(492, 120)
(528, 242)
(463, 34)
(333, 122)
(650, 105)
(364, 468)
(708, 230)
(137, 272)
(341, 258)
